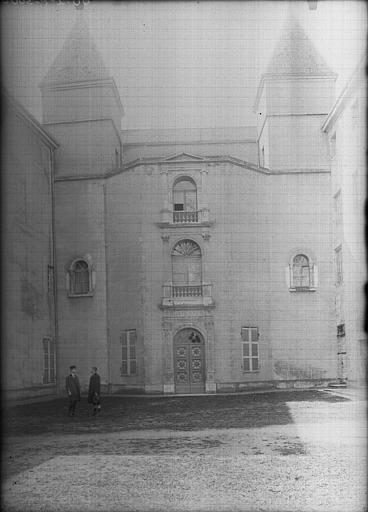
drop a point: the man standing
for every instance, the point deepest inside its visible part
(73, 389)
(94, 391)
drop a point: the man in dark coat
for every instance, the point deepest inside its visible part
(73, 389)
(94, 391)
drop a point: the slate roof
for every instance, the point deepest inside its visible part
(295, 54)
(78, 60)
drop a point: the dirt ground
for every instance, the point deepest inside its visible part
(283, 451)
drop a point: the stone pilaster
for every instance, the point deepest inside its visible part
(168, 357)
(210, 356)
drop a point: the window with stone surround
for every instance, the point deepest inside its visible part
(302, 273)
(49, 360)
(80, 278)
(250, 349)
(128, 352)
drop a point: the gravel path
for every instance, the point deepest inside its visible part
(317, 462)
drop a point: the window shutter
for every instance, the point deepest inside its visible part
(45, 342)
(52, 360)
(124, 353)
(245, 334)
(132, 352)
(250, 351)
(254, 334)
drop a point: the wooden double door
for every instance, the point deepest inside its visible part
(189, 362)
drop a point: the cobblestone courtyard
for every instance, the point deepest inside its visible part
(281, 451)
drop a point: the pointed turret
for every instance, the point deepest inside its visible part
(82, 107)
(294, 96)
(78, 60)
(296, 55)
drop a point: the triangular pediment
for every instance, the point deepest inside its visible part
(180, 157)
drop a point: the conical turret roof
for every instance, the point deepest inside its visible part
(78, 60)
(295, 54)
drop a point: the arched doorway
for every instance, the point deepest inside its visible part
(189, 368)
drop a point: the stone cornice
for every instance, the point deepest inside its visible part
(206, 160)
(191, 142)
(322, 170)
(86, 84)
(295, 114)
(81, 178)
(276, 77)
(92, 120)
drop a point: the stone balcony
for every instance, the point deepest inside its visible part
(200, 218)
(188, 296)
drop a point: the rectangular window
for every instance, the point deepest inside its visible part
(49, 361)
(250, 356)
(128, 352)
(338, 265)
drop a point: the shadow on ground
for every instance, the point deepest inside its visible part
(36, 433)
(151, 413)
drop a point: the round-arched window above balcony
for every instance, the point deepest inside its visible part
(184, 195)
(186, 258)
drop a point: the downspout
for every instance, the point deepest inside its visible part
(108, 346)
(54, 270)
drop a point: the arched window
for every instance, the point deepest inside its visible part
(185, 200)
(186, 260)
(301, 272)
(80, 278)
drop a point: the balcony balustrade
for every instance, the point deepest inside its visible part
(187, 295)
(187, 291)
(184, 218)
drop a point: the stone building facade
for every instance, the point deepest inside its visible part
(28, 259)
(345, 131)
(192, 261)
